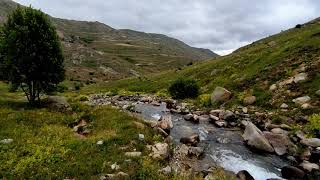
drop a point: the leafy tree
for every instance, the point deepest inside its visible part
(30, 53)
(184, 88)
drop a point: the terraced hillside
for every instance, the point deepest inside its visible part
(95, 51)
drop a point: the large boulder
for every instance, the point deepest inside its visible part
(290, 172)
(220, 94)
(58, 103)
(255, 138)
(159, 151)
(313, 142)
(280, 142)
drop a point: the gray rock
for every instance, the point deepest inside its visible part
(115, 166)
(313, 142)
(228, 116)
(159, 151)
(280, 142)
(220, 95)
(192, 140)
(6, 141)
(58, 103)
(300, 77)
(133, 154)
(284, 106)
(279, 131)
(249, 100)
(306, 106)
(167, 170)
(273, 87)
(165, 123)
(188, 117)
(244, 175)
(141, 137)
(214, 118)
(255, 138)
(318, 93)
(196, 151)
(290, 172)
(221, 123)
(245, 110)
(301, 100)
(306, 165)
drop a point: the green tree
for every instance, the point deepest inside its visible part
(30, 53)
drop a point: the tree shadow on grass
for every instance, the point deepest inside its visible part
(17, 105)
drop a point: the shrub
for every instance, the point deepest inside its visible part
(298, 26)
(314, 124)
(184, 88)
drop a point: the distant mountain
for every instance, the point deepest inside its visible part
(95, 51)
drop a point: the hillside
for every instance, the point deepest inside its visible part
(95, 51)
(251, 70)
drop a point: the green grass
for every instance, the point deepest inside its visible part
(45, 146)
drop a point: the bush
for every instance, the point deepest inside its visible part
(314, 124)
(184, 88)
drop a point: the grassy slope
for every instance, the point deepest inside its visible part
(249, 70)
(45, 147)
(113, 54)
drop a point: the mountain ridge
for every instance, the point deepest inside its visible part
(95, 51)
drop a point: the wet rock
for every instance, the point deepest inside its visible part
(6, 141)
(133, 154)
(273, 87)
(165, 123)
(58, 103)
(306, 165)
(167, 170)
(195, 151)
(192, 140)
(221, 123)
(284, 106)
(280, 142)
(249, 100)
(214, 118)
(228, 116)
(159, 151)
(220, 95)
(255, 138)
(290, 172)
(301, 100)
(300, 77)
(313, 142)
(244, 175)
(188, 117)
(315, 156)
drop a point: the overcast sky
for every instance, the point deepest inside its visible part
(219, 25)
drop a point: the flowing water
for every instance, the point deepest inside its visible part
(223, 147)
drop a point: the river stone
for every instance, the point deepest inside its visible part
(228, 116)
(220, 94)
(221, 123)
(290, 172)
(214, 118)
(255, 138)
(313, 142)
(249, 100)
(192, 140)
(195, 151)
(159, 151)
(165, 123)
(244, 175)
(306, 165)
(301, 100)
(300, 77)
(133, 154)
(188, 117)
(280, 142)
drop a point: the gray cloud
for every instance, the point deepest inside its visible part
(220, 25)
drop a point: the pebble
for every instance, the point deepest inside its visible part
(141, 137)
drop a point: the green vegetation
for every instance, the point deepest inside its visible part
(31, 54)
(45, 146)
(184, 88)
(314, 124)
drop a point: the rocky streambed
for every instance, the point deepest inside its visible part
(219, 138)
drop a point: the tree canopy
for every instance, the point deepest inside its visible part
(30, 52)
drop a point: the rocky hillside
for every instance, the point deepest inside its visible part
(95, 51)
